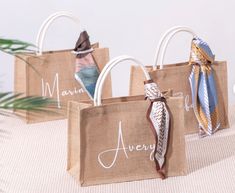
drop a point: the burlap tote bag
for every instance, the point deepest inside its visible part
(176, 77)
(51, 74)
(113, 142)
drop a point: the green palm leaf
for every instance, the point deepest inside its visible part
(9, 100)
(13, 47)
(12, 101)
(16, 47)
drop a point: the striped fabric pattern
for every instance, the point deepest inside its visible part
(203, 87)
(159, 119)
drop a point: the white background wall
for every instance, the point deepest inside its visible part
(126, 27)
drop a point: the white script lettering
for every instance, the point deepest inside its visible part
(72, 92)
(121, 147)
(46, 87)
(47, 90)
(187, 104)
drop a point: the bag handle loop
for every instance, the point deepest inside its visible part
(166, 38)
(47, 23)
(108, 67)
(101, 75)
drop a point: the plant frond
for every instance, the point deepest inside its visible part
(13, 47)
(13, 101)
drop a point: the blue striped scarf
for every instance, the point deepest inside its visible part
(203, 87)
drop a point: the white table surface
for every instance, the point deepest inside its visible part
(33, 160)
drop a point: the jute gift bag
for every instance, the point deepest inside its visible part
(176, 77)
(51, 74)
(113, 142)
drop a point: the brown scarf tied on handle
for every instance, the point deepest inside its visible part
(159, 117)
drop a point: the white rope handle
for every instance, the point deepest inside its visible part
(110, 65)
(160, 43)
(167, 36)
(162, 57)
(102, 74)
(47, 23)
(44, 24)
